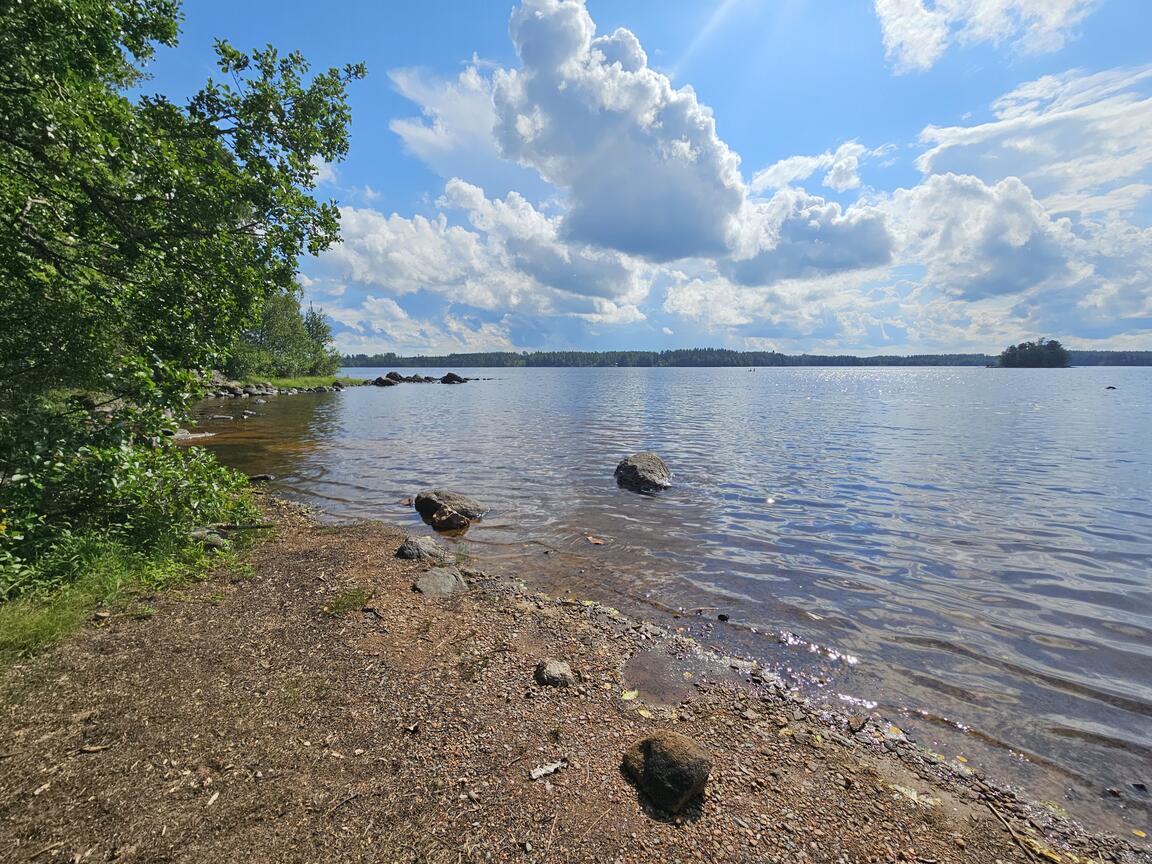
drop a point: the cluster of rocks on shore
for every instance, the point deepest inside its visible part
(235, 390)
(394, 378)
(222, 389)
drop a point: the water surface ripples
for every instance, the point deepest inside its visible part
(979, 540)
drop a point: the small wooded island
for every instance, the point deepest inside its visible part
(1041, 354)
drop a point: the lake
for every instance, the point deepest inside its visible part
(966, 550)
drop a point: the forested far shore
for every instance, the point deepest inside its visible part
(716, 357)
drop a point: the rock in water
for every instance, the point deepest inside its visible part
(447, 519)
(423, 549)
(427, 503)
(643, 472)
(554, 673)
(440, 582)
(670, 768)
(452, 378)
(394, 376)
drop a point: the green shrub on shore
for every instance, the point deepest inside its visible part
(140, 241)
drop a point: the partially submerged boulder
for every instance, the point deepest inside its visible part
(394, 376)
(670, 768)
(384, 382)
(643, 472)
(447, 519)
(554, 673)
(452, 378)
(423, 549)
(440, 582)
(427, 503)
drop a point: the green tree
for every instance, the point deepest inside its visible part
(1043, 353)
(138, 238)
(284, 343)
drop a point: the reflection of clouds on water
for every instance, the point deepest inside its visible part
(975, 538)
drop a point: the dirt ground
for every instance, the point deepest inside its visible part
(314, 708)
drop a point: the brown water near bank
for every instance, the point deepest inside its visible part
(967, 554)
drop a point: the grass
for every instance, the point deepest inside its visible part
(347, 601)
(307, 381)
(104, 575)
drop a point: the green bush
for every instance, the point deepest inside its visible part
(81, 478)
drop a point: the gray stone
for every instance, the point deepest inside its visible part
(424, 549)
(440, 582)
(643, 472)
(670, 768)
(209, 538)
(427, 503)
(554, 673)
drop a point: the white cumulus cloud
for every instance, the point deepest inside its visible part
(640, 161)
(1080, 141)
(918, 32)
(842, 166)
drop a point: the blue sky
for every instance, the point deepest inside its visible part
(803, 175)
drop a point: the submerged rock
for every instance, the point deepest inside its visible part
(554, 673)
(423, 549)
(670, 768)
(447, 519)
(427, 503)
(440, 582)
(643, 472)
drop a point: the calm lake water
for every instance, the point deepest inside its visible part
(968, 550)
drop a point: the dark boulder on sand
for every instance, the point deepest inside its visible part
(554, 673)
(424, 549)
(670, 768)
(440, 582)
(643, 472)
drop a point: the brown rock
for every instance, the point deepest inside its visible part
(427, 503)
(447, 519)
(670, 768)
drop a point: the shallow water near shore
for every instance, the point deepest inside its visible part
(965, 550)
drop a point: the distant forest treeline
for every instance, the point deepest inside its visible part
(717, 357)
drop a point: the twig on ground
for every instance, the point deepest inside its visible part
(45, 850)
(1031, 853)
(340, 804)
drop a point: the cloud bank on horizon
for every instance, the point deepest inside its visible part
(587, 200)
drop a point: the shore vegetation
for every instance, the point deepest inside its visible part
(143, 242)
(712, 357)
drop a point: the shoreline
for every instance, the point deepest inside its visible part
(325, 616)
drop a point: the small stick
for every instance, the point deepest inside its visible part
(55, 845)
(1027, 849)
(336, 807)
